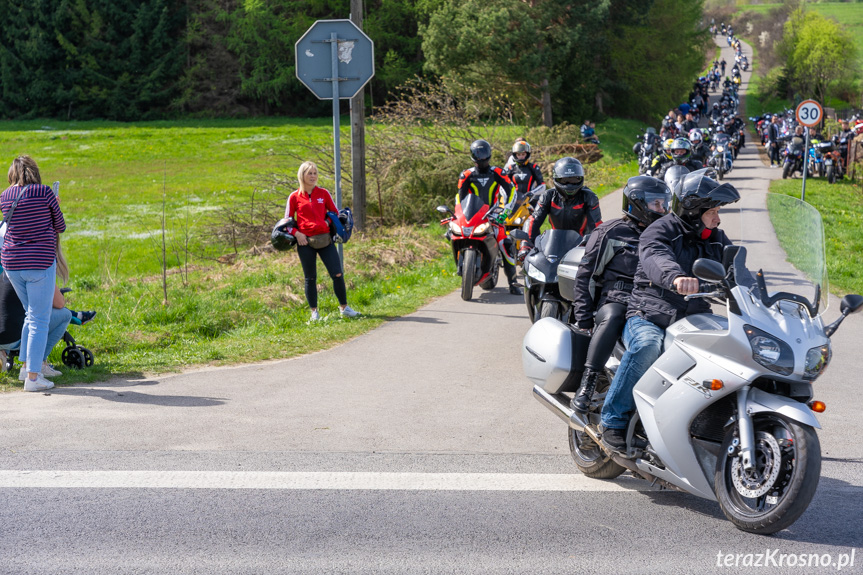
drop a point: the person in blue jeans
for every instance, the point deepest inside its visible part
(667, 251)
(29, 257)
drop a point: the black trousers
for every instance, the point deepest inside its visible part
(330, 257)
(592, 353)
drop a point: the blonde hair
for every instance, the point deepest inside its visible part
(24, 171)
(301, 174)
(62, 264)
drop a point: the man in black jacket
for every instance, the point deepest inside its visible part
(604, 279)
(667, 251)
(774, 132)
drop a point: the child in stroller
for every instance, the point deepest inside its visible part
(12, 320)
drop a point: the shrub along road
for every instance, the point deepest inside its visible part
(414, 448)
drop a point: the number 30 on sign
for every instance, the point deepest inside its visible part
(809, 113)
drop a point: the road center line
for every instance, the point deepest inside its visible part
(313, 480)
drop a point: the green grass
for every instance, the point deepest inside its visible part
(841, 208)
(248, 306)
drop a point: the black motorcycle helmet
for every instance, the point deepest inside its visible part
(568, 176)
(698, 194)
(480, 152)
(645, 199)
(681, 150)
(280, 238)
(519, 147)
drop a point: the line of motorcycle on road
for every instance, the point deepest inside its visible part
(728, 411)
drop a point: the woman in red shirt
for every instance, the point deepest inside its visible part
(309, 206)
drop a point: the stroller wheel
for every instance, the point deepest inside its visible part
(72, 357)
(88, 356)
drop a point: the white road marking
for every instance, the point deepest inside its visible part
(314, 480)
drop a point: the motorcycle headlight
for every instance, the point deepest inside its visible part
(456, 229)
(481, 229)
(817, 359)
(534, 273)
(721, 149)
(771, 352)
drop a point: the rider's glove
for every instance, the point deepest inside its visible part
(502, 216)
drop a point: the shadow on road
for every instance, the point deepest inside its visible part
(120, 393)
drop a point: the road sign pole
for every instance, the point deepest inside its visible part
(805, 166)
(334, 49)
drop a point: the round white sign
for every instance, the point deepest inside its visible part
(810, 113)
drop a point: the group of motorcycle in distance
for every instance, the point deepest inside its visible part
(727, 412)
(826, 156)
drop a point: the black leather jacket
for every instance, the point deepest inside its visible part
(580, 212)
(607, 268)
(667, 250)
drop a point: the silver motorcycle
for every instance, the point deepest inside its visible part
(727, 412)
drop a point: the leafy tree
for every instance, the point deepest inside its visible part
(819, 52)
(522, 49)
(654, 59)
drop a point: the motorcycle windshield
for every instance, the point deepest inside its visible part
(798, 265)
(471, 207)
(558, 242)
(722, 139)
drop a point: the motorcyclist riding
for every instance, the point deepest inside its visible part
(603, 282)
(667, 251)
(493, 187)
(681, 155)
(525, 175)
(700, 147)
(570, 205)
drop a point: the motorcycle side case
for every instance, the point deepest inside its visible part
(566, 271)
(546, 354)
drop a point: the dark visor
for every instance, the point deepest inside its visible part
(574, 180)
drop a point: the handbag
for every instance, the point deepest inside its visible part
(320, 241)
(4, 225)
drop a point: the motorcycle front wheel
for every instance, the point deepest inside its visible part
(786, 170)
(468, 274)
(778, 490)
(548, 309)
(831, 175)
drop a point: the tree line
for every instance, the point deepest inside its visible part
(558, 60)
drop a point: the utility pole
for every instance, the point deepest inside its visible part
(358, 138)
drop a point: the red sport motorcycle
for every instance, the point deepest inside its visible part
(475, 243)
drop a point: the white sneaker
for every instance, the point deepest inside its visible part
(315, 316)
(39, 384)
(22, 375)
(348, 312)
(49, 371)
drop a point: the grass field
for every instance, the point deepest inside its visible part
(841, 207)
(245, 306)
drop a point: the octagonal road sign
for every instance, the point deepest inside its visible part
(314, 58)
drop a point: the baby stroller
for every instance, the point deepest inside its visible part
(73, 355)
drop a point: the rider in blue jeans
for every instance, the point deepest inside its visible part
(668, 249)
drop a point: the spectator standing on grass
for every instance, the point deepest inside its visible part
(29, 258)
(309, 205)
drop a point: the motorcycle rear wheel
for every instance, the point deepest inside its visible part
(468, 274)
(778, 491)
(592, 461)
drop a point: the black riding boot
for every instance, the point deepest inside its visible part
(581, 401)
(510, 272)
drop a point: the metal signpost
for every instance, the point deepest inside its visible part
(337, 73)
(809, 114)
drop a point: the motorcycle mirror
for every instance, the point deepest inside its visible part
(443, 209)
(708, 270)
(851, 303)
(519, 235)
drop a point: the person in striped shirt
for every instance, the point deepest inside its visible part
(29, 258)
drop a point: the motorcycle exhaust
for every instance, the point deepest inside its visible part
(558, 404)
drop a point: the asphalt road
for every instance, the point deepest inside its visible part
(416, 448)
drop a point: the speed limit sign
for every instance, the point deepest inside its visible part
(810, 113)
